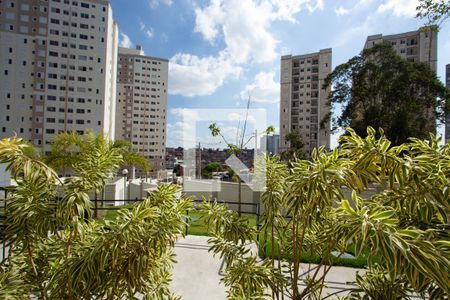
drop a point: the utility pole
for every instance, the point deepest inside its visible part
(199, 163)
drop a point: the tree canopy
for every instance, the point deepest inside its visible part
(56, 252)
(380, 89)
(435, 12)
(68, 148)
(296, 149)
(390, 204)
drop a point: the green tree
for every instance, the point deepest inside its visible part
(436, 12)
(212, 167)
(55, 254)
(238, 147)
(380, 89)
(297, 147)
(68, 148)
(402, 229)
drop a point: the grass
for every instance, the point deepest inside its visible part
(313, 258)
(197, 226)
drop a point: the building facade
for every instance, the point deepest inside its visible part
(303, 100)
(272, 143)
(58, 63)
(447, 121)
(142, 104)
(418, 46)
(414, 46)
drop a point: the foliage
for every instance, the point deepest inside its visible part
(297, 147)
(435, 11)
(237, 148)
(68, 148)
(232, 238)
(397, 216)
(212, 167)
(56, 254)
(380, 89)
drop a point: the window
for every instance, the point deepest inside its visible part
(25, 7)
(50, 120)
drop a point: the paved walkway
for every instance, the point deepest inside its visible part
(196, 274)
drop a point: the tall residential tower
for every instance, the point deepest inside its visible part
(303, 100)
(418, 46)
(58, 61)
(142, 104)
(415, 46)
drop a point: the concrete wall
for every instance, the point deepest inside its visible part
(228, 192)
(223, 191)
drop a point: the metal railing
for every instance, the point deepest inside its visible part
(102, 206)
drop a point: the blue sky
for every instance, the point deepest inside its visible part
(222, 50)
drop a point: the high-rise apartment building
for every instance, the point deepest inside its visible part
(416, 46)
(142, 104)
(58, 63)
(303, 100)
(447, 121)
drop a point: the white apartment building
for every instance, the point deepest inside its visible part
(58, 61)
(303, 101)
(142, 104)
(414, 46)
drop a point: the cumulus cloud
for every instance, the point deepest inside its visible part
(125, 41)
(243, 25)
(155, 3)
(147, 30)
(340, 11)
(400, 8)
(262, 89)
(191, 75)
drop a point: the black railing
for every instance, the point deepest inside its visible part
(100, 205)
(255, 211)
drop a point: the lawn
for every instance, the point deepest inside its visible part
(197, 226)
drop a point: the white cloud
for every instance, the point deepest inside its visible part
(340, 11)
(208, 19)
(286, 9)
(190, 75)
(400, 8)
(125, 41)
(243, 24)
(155, 3)
(244, 27)
(147, 30)
(241, 117)
(184, 113)
(262, 89)
(355, 32)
